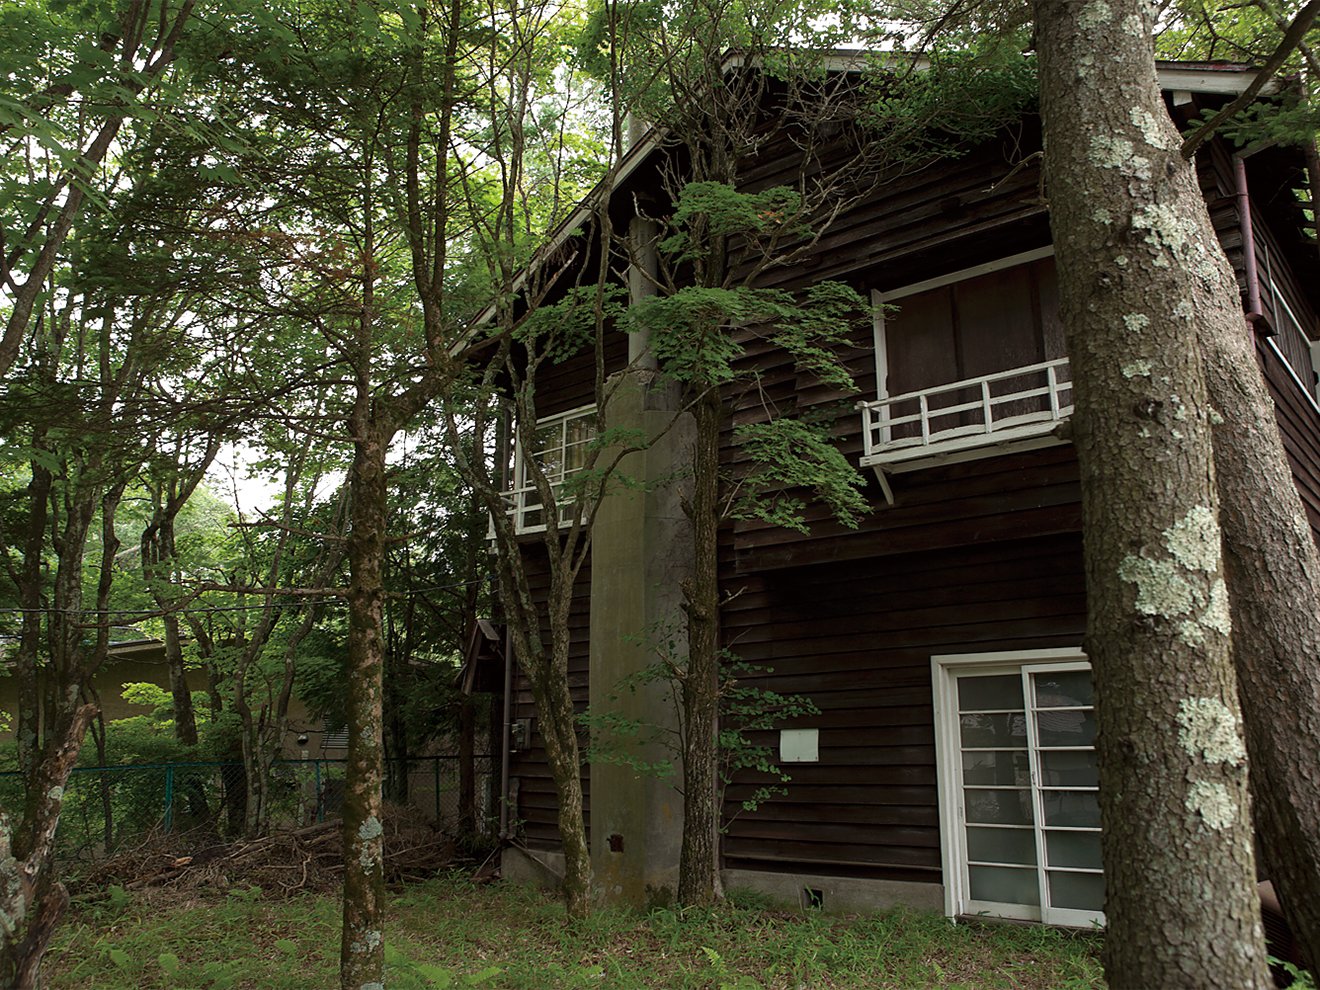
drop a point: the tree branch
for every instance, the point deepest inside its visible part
(1291, 39)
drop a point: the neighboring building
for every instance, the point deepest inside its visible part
(142, 660)
(951, 766)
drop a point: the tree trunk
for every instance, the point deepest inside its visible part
(362, 951)
(30, 598)
(25, 855)
(1273, 574)
(554, 706)
(698, 879)
(546, 667)
(185, 721)
(1179, 871)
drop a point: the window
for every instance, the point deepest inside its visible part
(966, 362)
(1019, 789)
(560, 449)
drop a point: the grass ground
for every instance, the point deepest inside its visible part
(448, 932)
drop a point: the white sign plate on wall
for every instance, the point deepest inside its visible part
(799, 745)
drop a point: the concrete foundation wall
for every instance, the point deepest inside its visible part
(837, 895)
(535, 867)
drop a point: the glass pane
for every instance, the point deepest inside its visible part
(1001, 731)
(579, 431)
(1074, 809)
(1066, 728)
(1069, 769)
(998, 807)
(1064, 689)
(1006, 884)
(1004, 767)
(989, 693)
(1002, 845)
(1077, 849)
(1081, 891)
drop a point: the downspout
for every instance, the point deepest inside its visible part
(1254, 313)
(508, 734)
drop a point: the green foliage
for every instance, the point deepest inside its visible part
(966, 96)
(727, 980)
(748, 709)
(715, 209)
(796, 454)
(1301, 978)
(1289, 120)
(561, 329)
(693, 328)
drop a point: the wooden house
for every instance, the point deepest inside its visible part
(950, 766)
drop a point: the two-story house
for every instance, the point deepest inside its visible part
(951, 765)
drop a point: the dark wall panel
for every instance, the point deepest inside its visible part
(856, 639)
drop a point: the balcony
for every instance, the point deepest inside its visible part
(1008, 411)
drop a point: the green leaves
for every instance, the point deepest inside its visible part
(707, 210)
(795, 454)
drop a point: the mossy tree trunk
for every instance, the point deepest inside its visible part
(1131, 243)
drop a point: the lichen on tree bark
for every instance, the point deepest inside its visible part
(1132, 246)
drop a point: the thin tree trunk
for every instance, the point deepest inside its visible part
(185, 720)
(547, 673)
(1179, 871)
(698, 879)
(30, 597)
(554, 706)
(362, 951)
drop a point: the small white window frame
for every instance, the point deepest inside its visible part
(523, 498)
(948, 764)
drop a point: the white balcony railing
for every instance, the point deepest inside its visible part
(1018, 408)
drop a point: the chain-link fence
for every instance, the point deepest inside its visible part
(105, 807)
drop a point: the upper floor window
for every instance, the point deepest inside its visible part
(965, 361)
(560, 448)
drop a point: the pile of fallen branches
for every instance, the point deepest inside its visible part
(281, 864)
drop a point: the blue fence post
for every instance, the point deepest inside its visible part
(320, 804)
(169, 794)
(437, 787)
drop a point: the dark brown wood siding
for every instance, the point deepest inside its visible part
(856, 638)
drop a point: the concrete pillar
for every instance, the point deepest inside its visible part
(641, 551)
